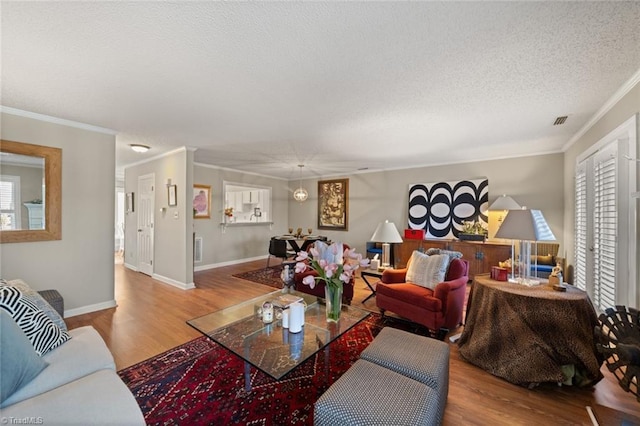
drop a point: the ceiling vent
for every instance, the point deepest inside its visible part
(560, 120)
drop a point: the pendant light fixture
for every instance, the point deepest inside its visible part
(300, 194)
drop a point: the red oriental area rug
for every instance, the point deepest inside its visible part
(201, 383)
(269, 276)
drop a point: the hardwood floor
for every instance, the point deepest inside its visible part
(151, 318)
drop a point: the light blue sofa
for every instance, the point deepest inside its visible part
(79, 386)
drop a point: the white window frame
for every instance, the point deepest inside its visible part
(17, 202)
(620, 142)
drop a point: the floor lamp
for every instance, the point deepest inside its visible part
(386, 233)
(525, 226)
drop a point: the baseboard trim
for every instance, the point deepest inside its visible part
(228, 263)
(130, 266)
(89, 308)
(174, 283)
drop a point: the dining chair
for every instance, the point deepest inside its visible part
(278, 248)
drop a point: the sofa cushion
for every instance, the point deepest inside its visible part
(99, 398)
(43, 334)
(411, 294)
(544, 260)
(19, 362)
(427, 271)
(39, 301)
(83, 354)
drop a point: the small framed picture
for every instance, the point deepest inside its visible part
(201, 201)
(129, 202)
(173, 201)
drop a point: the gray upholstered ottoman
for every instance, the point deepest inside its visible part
(54, 299)
(417, 357)
(369, 394)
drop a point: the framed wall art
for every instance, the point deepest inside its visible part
(172, 194)
(442, 209)
(333, 204)
(129, 202)
(201, 201)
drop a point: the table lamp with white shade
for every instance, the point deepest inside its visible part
(386, 233)
(504, 203)
(525, 226)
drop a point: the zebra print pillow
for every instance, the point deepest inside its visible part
(43, 334)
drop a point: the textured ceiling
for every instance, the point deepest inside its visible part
(264, 86)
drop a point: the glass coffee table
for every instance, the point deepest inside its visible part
(271, 348)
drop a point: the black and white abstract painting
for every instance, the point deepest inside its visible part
(441, 208)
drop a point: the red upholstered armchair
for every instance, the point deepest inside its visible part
(439, 310)
(318, 290)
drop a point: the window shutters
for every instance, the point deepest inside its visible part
(581, 227)
(605, 215)
(9, 202)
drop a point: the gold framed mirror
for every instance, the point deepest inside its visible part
(36, 218)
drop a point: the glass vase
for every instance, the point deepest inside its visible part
(333, 300)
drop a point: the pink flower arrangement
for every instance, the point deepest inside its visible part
(333, 264)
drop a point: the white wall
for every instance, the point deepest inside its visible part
(535, 182)
(627, 106)
(80, 265)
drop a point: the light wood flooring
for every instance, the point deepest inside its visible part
(150, 319)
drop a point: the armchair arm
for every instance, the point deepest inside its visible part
(391, 276)
(443, 289)
(452, 294)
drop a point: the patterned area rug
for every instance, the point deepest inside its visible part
(201, 383)
(269, 276)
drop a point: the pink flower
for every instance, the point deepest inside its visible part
(331, 263)
(330, 270)
(309, 280)
(300, 267)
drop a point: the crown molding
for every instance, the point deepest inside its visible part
(55, 120)
(611, 102)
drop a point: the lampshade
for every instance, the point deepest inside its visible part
(504, 202)
(526, 225)
(386, 232)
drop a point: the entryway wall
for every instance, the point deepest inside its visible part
(173, 225)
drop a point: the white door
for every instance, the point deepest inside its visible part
(145, 209)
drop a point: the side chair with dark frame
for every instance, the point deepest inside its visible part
(278, 248)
